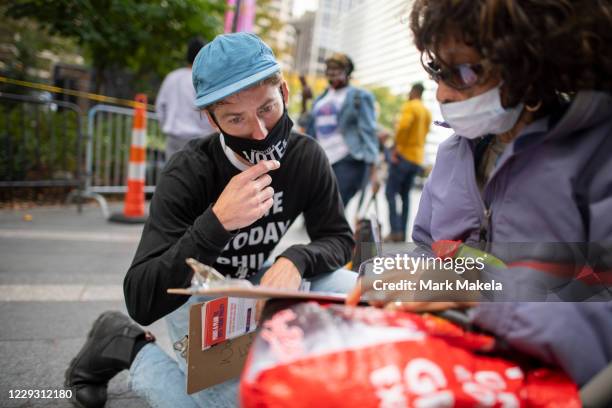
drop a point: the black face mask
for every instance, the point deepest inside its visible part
(273, 147)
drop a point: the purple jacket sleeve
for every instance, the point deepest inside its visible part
(574, 336)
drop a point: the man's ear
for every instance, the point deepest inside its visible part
(210, 120)
(285, 92)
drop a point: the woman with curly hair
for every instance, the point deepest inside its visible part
(526, 87)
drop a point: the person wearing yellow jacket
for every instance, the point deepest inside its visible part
(406, 159)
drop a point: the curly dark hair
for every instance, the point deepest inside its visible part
(542, 48)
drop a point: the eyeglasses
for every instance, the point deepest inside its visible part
(460, 76)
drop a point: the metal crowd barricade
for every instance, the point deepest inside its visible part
(40, 143)
(109, 130)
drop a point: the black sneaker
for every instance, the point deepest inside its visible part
(107, 351)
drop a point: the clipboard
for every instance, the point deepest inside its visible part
(260, 292)
(224, 361)
(218, 364)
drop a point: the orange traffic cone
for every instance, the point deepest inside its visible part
(134, 207)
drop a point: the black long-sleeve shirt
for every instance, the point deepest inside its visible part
(182, 224)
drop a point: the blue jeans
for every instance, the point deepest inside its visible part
(161, 381)
(352, 176)
(401, 178)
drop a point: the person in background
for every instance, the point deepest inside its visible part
(179, 119)
(406, 159)
(306, 95)
(343, 120)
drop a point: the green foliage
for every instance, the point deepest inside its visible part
(21, 42)
(389, 106)
(40, 142)
(268, 26)
(148, 37)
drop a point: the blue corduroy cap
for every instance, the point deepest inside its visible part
(229, 64)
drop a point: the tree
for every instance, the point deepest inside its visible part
(146, 37)
(268, 26)
(20, 45)
(389, 105)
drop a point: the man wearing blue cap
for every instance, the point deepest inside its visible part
(225, 201)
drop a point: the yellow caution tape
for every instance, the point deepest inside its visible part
(81, 94)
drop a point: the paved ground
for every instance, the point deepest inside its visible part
(58, 272)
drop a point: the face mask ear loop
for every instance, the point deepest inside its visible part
(280, 88)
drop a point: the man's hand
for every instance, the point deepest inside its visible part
(283, 274)
(247, 197)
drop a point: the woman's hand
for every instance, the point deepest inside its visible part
(419, 307)
(379, 291)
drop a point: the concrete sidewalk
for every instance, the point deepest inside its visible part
(58, 272)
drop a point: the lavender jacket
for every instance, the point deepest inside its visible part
(553, 184)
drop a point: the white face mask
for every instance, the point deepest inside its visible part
(480, 115)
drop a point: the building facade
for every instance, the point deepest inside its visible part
(318, 36)
(377, 37)
(283, 40)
